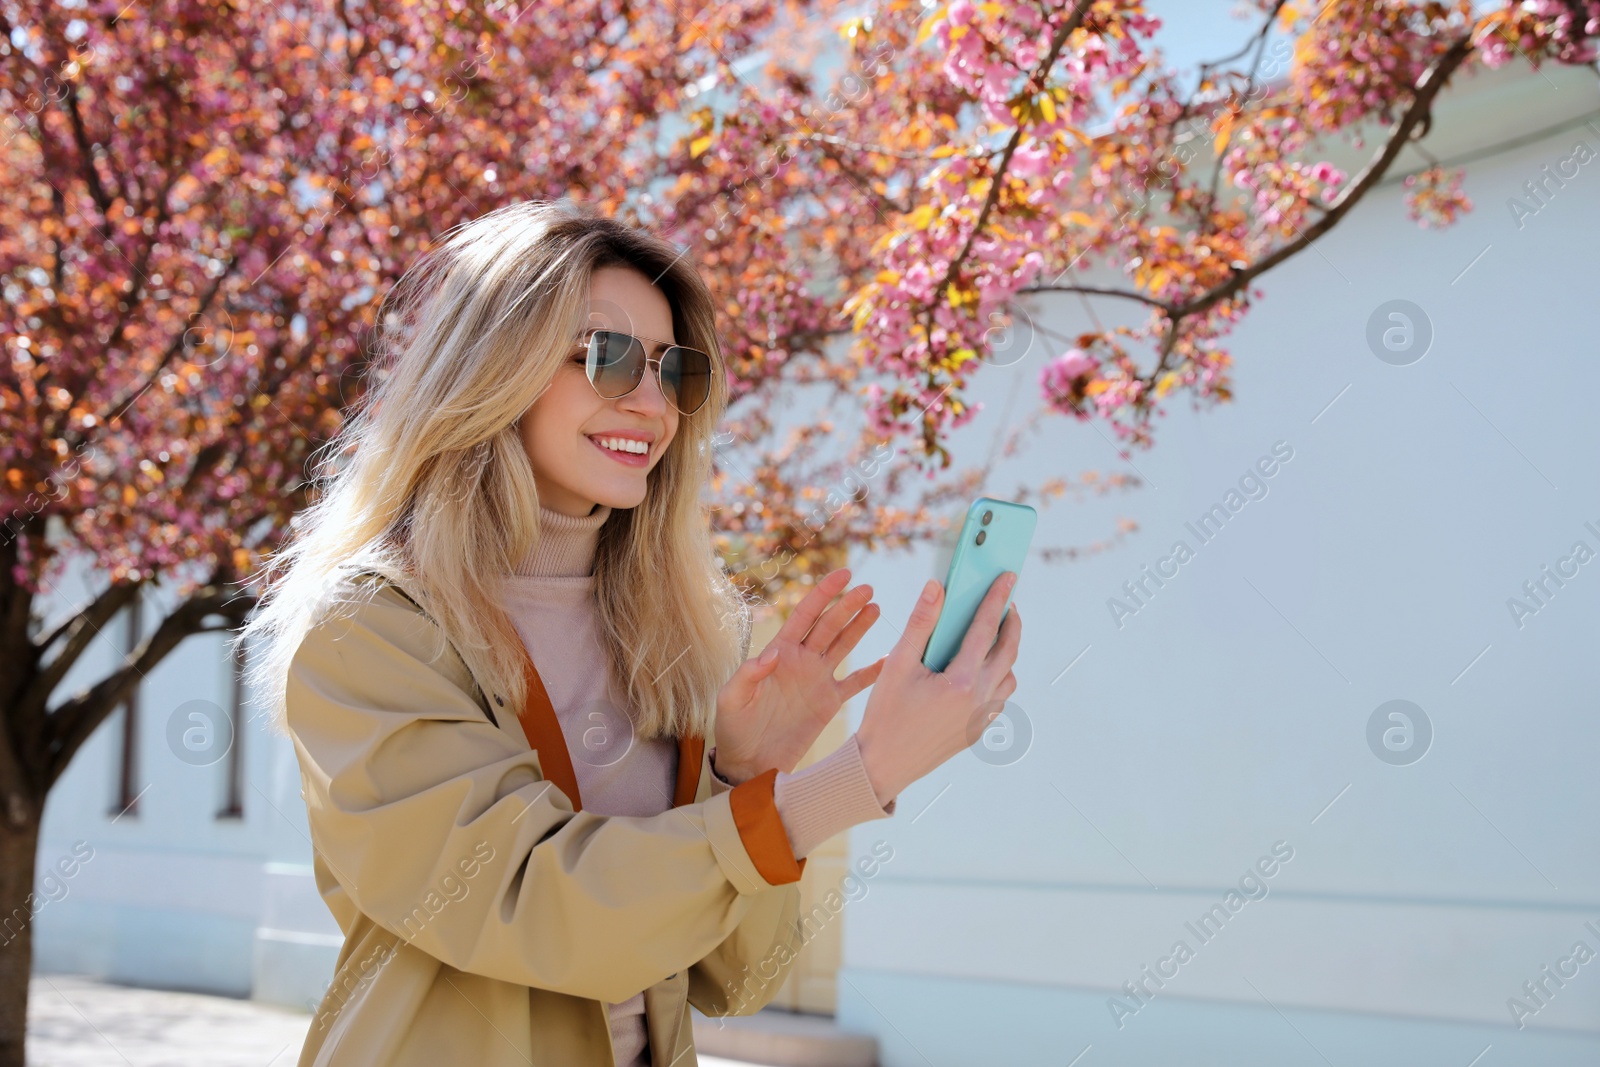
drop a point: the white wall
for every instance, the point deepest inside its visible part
(173, 896)
(1232, 709)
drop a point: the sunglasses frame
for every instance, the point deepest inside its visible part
(586, 341)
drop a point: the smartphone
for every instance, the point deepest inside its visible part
(994, 539)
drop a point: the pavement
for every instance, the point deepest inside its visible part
(80, 1022)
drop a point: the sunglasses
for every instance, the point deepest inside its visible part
(616, 364)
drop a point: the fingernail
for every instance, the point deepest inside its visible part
(768, 653)
(930, 591)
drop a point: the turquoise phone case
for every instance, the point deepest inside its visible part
(975, 566)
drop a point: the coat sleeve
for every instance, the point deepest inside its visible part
(743, 973)
(439, 827)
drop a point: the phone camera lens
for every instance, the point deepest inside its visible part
(983, 535)
(987, 515)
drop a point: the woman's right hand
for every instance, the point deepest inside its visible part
(916, 718)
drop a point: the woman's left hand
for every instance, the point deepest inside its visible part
(776, 705)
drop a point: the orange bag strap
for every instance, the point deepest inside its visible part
(543, 731)
(691, 750)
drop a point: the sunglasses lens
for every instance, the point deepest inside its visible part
(616, 362)
(686, 377)
(616, 365)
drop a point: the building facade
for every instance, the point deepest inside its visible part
(1339, 748)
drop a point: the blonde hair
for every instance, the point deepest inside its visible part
(433, 486)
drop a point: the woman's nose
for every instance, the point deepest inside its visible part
(647, 397)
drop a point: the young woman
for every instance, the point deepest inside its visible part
(551, 802)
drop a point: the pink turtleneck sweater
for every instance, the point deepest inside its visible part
(551, 601)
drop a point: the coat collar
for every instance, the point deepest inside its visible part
(543, 730)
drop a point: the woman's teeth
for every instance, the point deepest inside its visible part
(622, 444)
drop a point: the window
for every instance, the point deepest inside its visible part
(233, 796)
(127, 792)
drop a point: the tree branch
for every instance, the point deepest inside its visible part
(1094, 290)
(1260, 42)
(874, 150)
(1427, 88)
(117, 406)
(80, 135)
(1257, 41)
(74, 721)
(1068, 25)
(80, 630)
(1416, 117)
(863, 181)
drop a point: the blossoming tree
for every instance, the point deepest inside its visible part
(206, 202)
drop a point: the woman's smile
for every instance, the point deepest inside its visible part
(628, 447)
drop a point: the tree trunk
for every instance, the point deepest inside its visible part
(19, 845)
(37, 742)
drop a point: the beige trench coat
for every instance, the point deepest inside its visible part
(487, 917)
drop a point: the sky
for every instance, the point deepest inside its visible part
(1193, 31)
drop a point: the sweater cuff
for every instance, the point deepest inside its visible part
(827, 798)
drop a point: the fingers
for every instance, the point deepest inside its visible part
(810, 609)
(1004, 652)
(981, 633)
(764, 664)
(919, 627)
(856, 681)
(844, 641)
(740, 689)
(823, 636)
